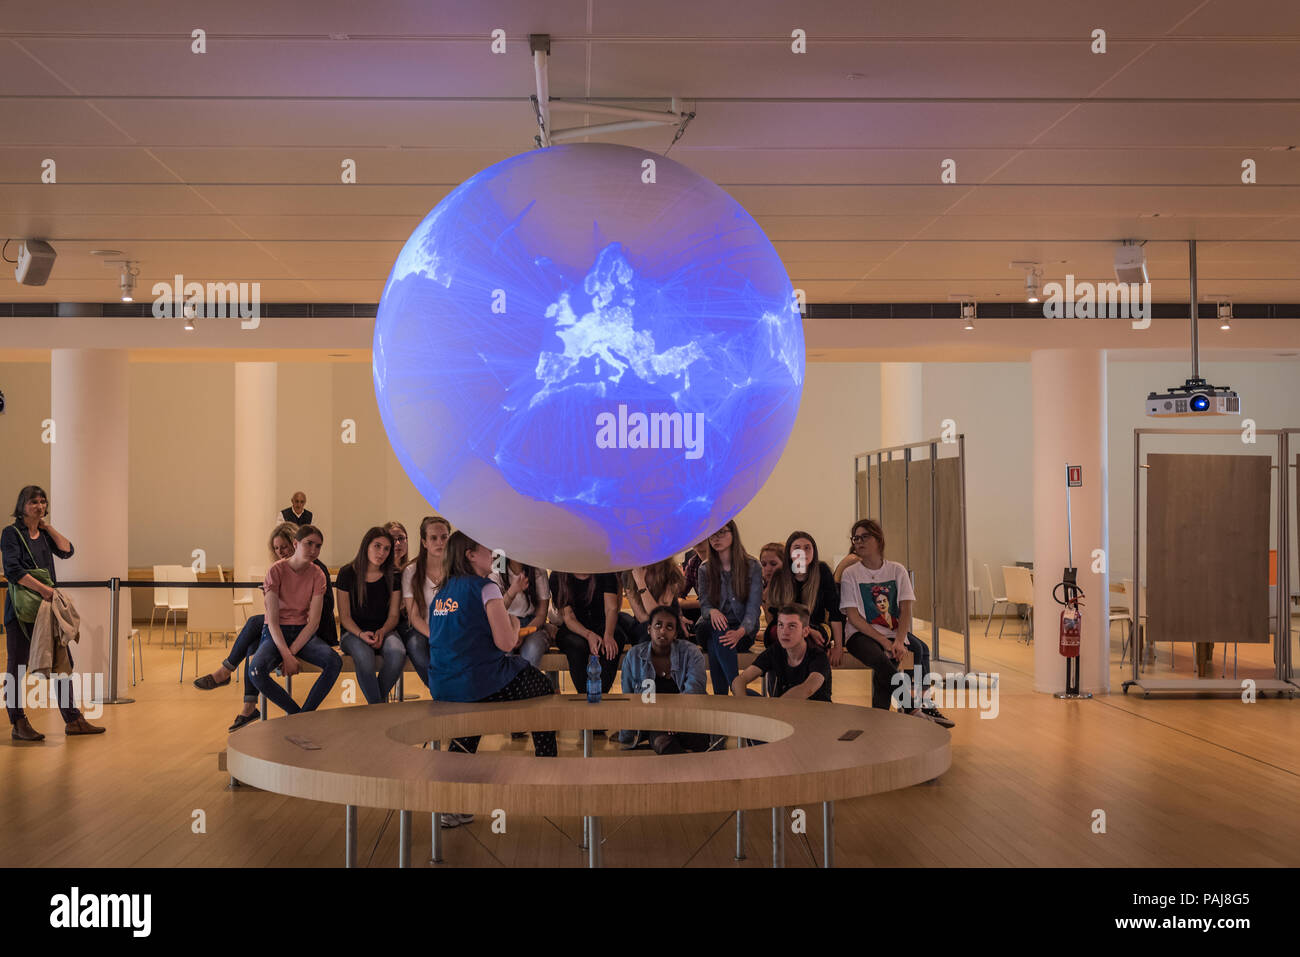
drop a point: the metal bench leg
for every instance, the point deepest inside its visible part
(435, 848)
(350, 836)
(828, 834)
(593, 847)
(740, 816)
(403, 838)
(778, 837)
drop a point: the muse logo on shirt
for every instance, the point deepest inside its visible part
(444, 606)
(880, 603)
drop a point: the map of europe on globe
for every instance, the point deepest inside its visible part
(584, 368)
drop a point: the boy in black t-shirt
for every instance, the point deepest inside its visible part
(798, 668)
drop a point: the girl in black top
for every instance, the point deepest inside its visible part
(807, 580)
(28, 544)
(588, 605)
(368, 598)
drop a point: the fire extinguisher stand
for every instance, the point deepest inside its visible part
(1070, 596)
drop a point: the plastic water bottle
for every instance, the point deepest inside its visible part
(593, 680)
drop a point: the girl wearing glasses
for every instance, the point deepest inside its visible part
(731, 594)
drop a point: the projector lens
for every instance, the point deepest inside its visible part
(1200, 403)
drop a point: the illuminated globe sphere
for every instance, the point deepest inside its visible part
(588, 356)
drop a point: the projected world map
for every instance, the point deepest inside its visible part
(586, 361)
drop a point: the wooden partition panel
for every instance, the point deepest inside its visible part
(1207, 547)
(950, 573)
(892, 509)
(919, 524)
(860, 489)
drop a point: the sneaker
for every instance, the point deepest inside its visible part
(454, 820)
(625, 737)
(243, 719)
(937, 716)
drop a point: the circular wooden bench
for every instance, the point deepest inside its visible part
(373, 756)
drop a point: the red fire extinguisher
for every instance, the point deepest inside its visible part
(1068, 593)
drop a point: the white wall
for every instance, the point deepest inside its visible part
(812, 486)
(182, 445)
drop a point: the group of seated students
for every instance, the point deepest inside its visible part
(475, 627)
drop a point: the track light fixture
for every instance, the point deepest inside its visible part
(1225, 315)
(1033, 282)
(128, 270)
(968, 315)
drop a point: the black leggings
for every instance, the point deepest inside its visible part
(883, 668)
(575, 648)
(529, 683)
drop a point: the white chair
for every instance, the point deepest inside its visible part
(1133, 628)
(973, 590)
(1123, 613)
(159, 599)
(242, 601)
(176, 597)
(209, 611)
(256, 573)
(996, 601)
(133, 642)
(1020, 591)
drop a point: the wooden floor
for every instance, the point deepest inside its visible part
(1182, 782)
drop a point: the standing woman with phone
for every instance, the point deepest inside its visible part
(30, 546)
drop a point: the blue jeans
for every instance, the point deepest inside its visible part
(315, 651)
(392, 655)
(532, 648)
(250, 636)
(417, 649)
(723, 666)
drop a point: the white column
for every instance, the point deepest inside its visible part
(255, 464)
(90, 405)
(900, 403)
(1069, 427)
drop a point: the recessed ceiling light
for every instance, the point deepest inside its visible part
(338, 355)
(106, 252)
(854, 76)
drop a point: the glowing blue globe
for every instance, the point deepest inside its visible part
(586, 361)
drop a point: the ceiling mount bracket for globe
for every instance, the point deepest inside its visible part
(631, 119)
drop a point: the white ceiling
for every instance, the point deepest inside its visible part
(225, 166)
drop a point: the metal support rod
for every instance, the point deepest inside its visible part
(1196, 348)
(403, 838)
(1282, 633)
(934, 557)
(828, 833)
(778, 837)
(350, 836)
(627, 112)
(114, 598)
(593, 845)
(1136, 598)
(965, 550)
(435, 848)
(541, 74)
(599, 129)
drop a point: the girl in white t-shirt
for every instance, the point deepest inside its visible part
(528, 598)
(420, 582)
(876, 597)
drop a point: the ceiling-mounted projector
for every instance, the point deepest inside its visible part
(35, 260)
(1194, 397)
